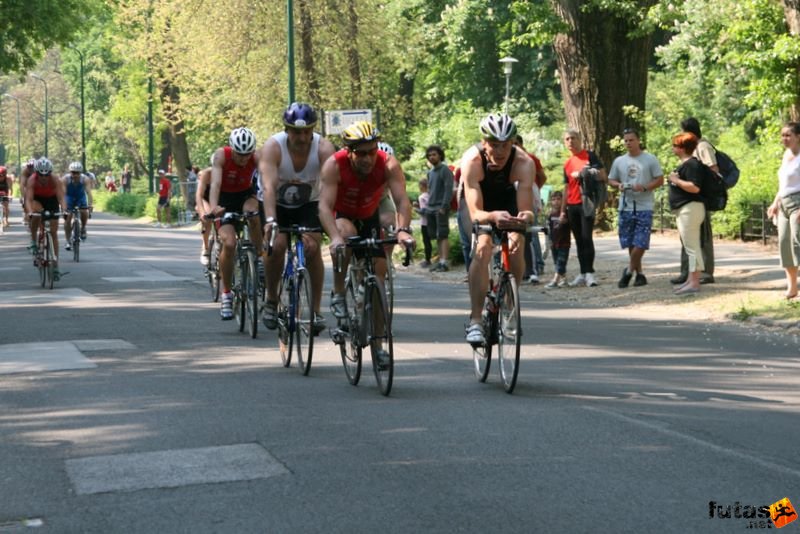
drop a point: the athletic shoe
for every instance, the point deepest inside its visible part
(590, 281)
(338, 306)
(706, 279)
(226, 309)
(83, 235)
(680, 279)
(580, 280)
(68, 246)
(270, 315)
(319, 324)
(641, 280)
(533, 279)
(204, 258)
(556, 282)
(424, 264)
(625, 279)
(475, 334)
(382, 360)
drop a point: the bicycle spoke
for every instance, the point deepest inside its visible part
(250, 289)
(285, 320)
(304, 319)
(509, 331)
(350, 347)
(380, 337)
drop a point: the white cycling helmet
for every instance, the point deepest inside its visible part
(498, 127)
(43, 166)
(242, 141)
(75, 166)
(386, 147)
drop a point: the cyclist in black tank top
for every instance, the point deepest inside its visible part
(496, 187)
(489, 173)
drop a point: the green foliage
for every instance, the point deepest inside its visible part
(134, 205)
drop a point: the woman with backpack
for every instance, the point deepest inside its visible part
(687, 204)
(786, 206)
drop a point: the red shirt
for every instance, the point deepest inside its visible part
(164, 185)
(236, 179)
(575, 164)
(46, 189)
(358, 198)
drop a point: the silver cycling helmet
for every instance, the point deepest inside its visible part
(75, 166)
(498, 127)
(242, 141)
(43, 166)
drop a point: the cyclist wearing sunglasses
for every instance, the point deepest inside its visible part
(353, 181)
(44, 193)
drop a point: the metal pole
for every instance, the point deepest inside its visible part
(290, 47)
(83, 112)
(508, 86)
(45, 110)
(19, 158)
(151, 146)
(508, 63)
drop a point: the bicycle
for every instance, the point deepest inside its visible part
(45, 254)
(388, 284)
(212, 268)
(367, 322)
(244, 284)
(501, 318)
(4, 202)
(76, 233)
(295, 306)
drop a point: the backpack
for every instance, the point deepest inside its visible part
(594, 192)
(714, 189)
(727, 168)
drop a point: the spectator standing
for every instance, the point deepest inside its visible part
(559, 240)
(636, 175)
(126, 178)
(440, 184)
(191, 186)
(163, 210)
(582, 165)
(786, 206)
(534, 262)
(707, 155)
(422, 205)
(687, 204)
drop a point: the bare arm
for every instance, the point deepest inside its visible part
(329, 187)
(268, 165)
(203, 179)
(216, 179)
(397, 186)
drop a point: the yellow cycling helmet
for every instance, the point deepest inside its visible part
(360, 132)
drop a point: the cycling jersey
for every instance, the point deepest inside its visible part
(5, 186)
(497, 188)
(76, 191)
(235, 178)
(296, 188)
(358, 198)
(42, 189)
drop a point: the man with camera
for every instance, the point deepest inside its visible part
(636, 175)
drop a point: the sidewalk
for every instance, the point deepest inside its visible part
(749, 284)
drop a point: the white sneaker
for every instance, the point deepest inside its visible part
(204, 258)
(533, 279)
(580, 280)
(590, 281)
(474, 334)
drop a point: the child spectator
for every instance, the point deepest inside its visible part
(421, 205)
(559, 240)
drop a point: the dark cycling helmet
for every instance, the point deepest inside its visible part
(300, 115)
(360, 132)
(386, 147)
(242, 141)
(499, 127)
(43, 166)
(31, 163)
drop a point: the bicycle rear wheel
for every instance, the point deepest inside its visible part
(379, 331)
(212, 269)
(76, 239)
(350, 348)
(50, 261)
(286, 322)
(238, 284)
(509, 332)
(251, 289)
(304, 322)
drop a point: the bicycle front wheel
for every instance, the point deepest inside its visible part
(251, 289)
(286, 319)
(76, 239)
(509, 332)
(380, 337)
(304, 322)
(350, 348)
(50, 261)
(239, 283)
(388, 286)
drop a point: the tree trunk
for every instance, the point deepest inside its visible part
(353, 59)
(791, 9)
(602, 70)
(170, 103)
(307, 52)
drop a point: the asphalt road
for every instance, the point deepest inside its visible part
(138, 410)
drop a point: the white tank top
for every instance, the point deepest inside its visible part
(296, 188)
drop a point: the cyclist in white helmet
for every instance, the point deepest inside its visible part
(489, 171)
(232, 170)
(78, 192)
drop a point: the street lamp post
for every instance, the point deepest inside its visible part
(19, 159)
(45, 109)
(508, 63)
(83, 113)
(290, 46)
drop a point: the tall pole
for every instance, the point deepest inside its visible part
(290, 47)
(19, 158)
(45, 109)
(150, 142)
(83, 113)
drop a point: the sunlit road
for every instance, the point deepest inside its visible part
(126, 405)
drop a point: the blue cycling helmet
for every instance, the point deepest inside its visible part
(300, 115)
